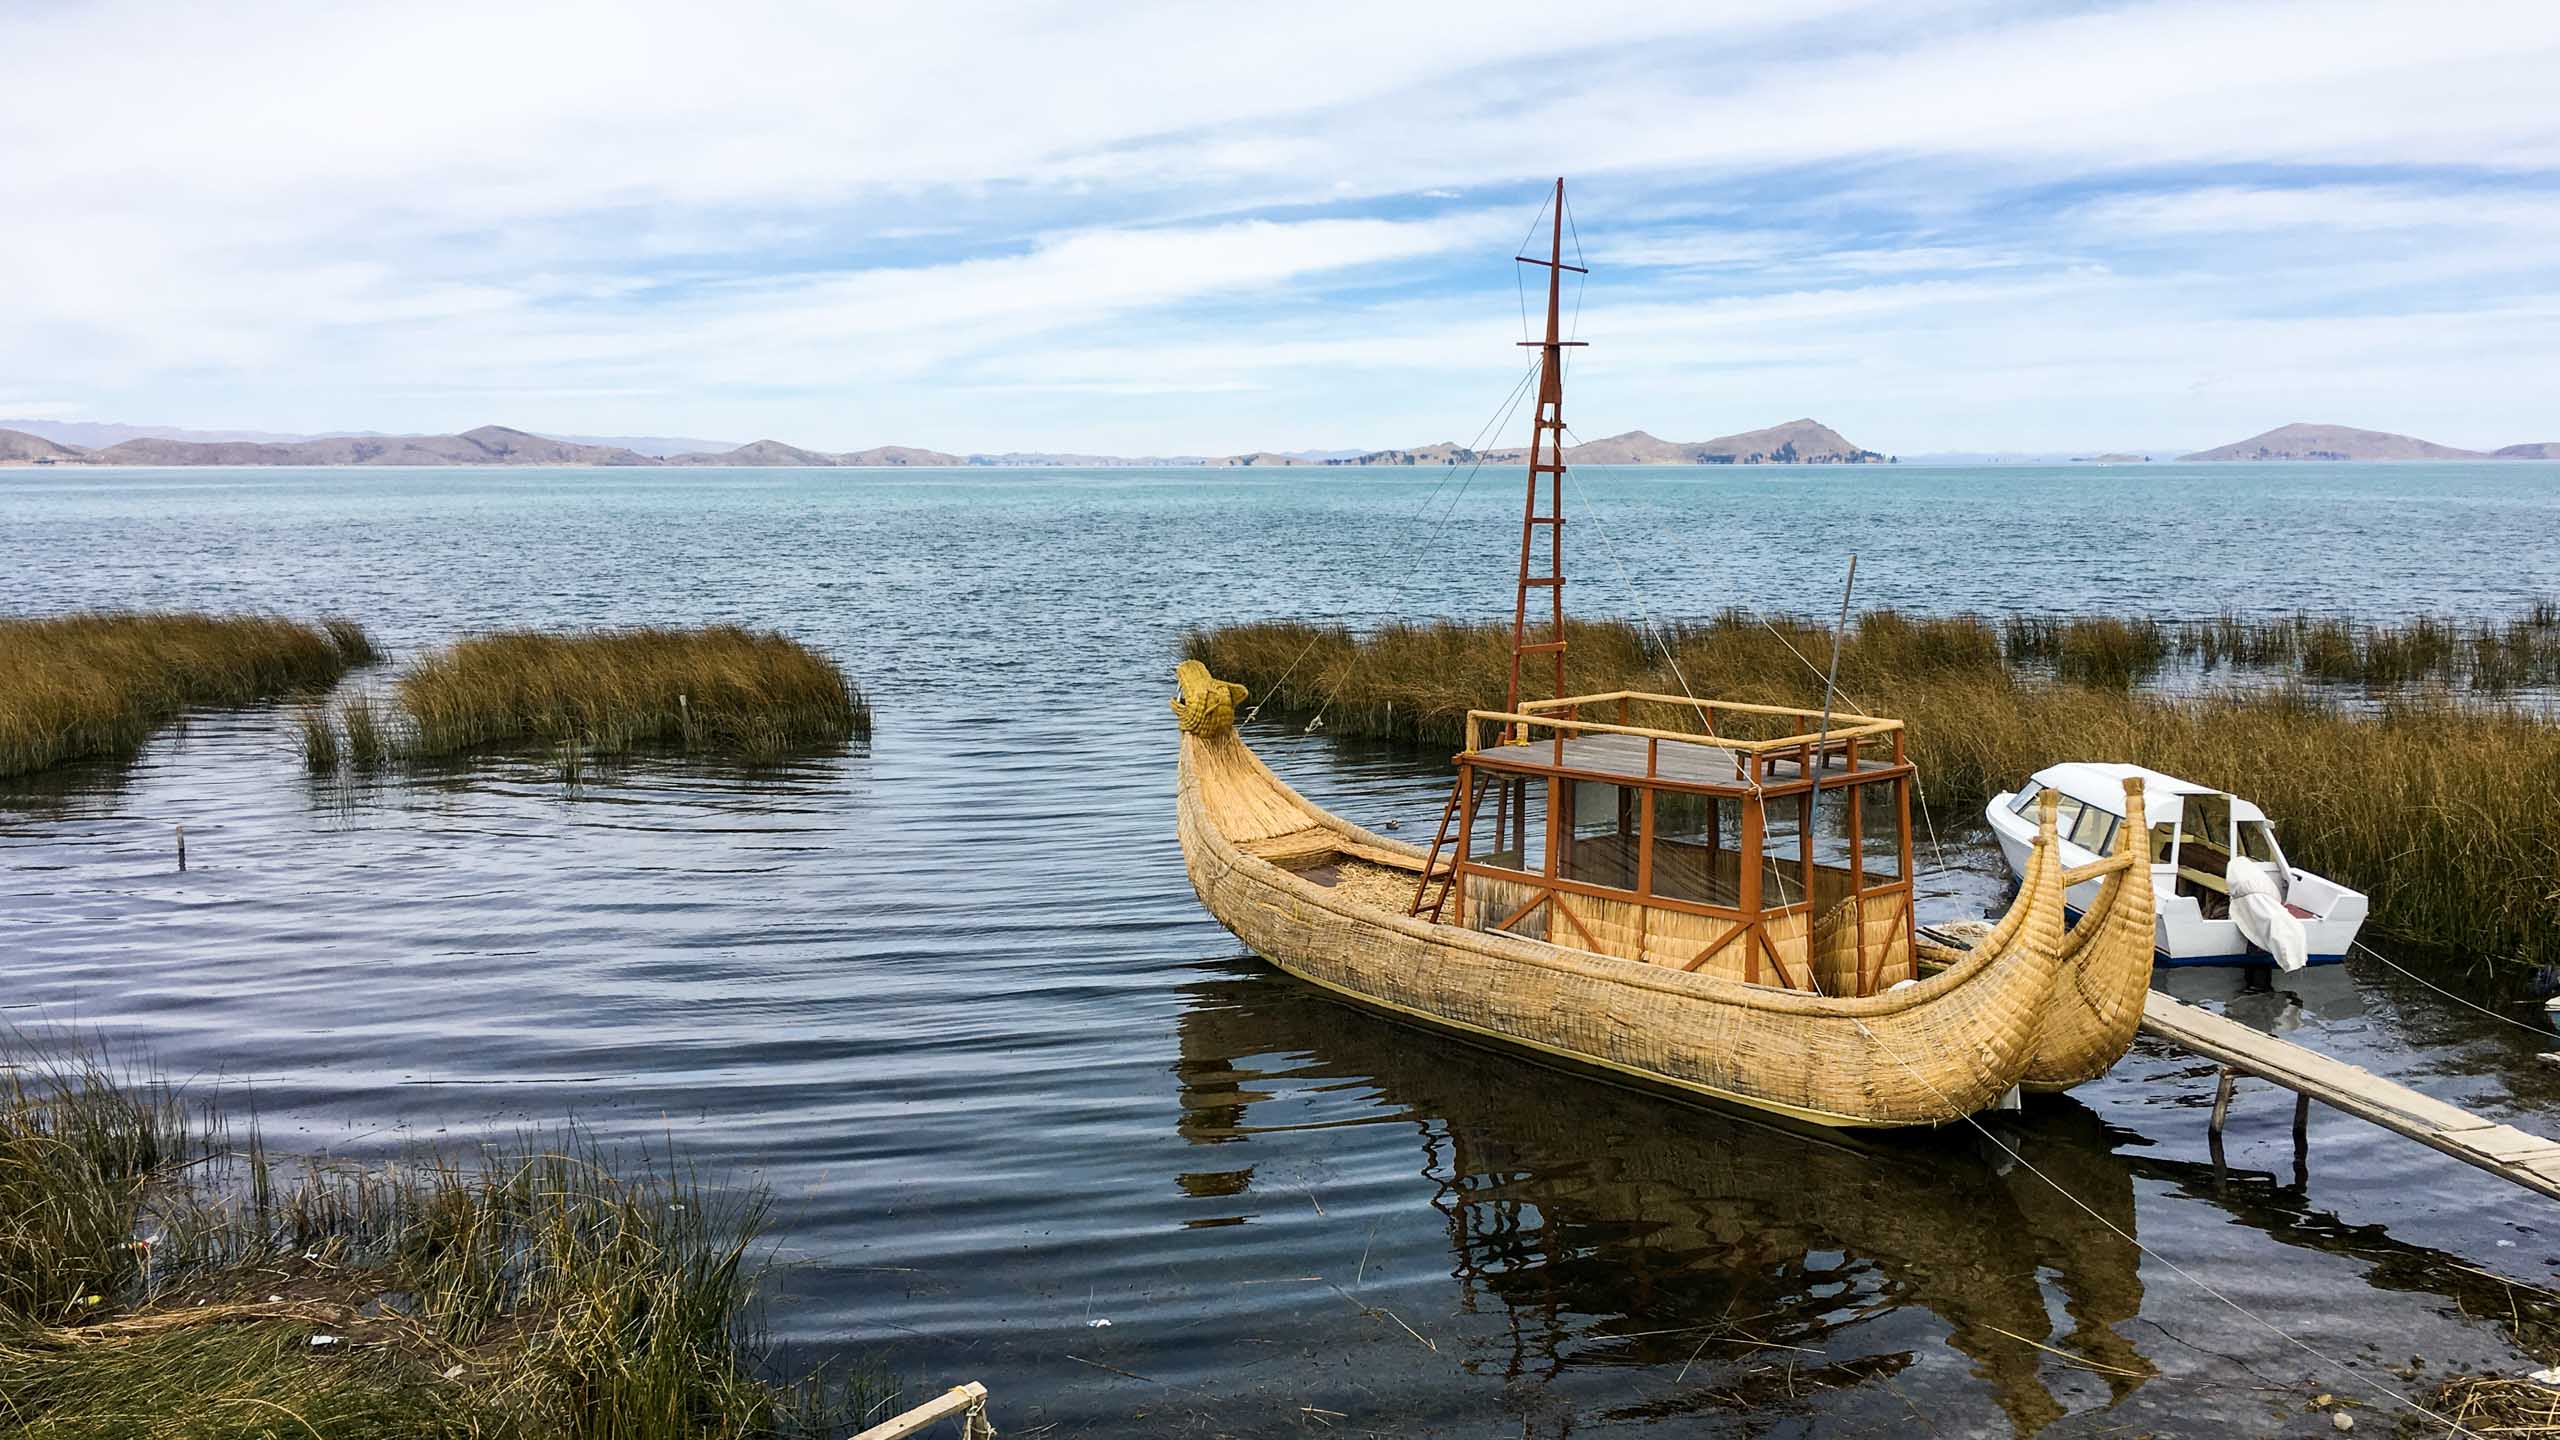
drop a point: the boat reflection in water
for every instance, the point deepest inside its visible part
(1620, 1230)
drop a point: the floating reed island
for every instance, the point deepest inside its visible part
(2436, 805)
(719, 689)
(163, 1276)
(99, 682)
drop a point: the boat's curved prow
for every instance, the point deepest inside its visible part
(2106, 963)
(1269, 864)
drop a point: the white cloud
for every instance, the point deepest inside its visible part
(835, 222)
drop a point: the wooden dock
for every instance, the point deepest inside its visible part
(2529, 1160)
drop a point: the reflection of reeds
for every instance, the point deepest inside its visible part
(2439, 809)
(719, 689)
(152, 1269)
(99, 683)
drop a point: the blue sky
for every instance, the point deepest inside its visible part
(1183, 228)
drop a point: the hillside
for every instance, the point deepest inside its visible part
(2539, 450)
(488, 445)
(759, 452)
(2332, 442)
(1797, 442)
(19, 447)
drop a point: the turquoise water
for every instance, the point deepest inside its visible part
(949, 996)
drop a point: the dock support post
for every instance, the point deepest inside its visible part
(2301, 1118)
(2221, 1101)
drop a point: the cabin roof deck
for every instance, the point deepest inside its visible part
(1863, 746)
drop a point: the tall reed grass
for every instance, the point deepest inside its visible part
(720, 689)
(2490, 657)
(99, 682)
(161, 1276)
(2441, 810)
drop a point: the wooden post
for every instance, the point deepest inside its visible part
(2221, 1102)
(1466, 824)
(182, 847)
(1644, 841)
(967, 1403)
(1754, 815)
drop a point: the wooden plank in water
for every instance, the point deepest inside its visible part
(2526, 1159)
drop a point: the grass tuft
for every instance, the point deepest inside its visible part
(98, 683)
(718, 689)
(2439, 809)
(536, 1291)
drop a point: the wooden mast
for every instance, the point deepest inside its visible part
(1546, 456)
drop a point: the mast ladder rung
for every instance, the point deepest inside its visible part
(1547, 580)
(1546, 519)
(1542, 647)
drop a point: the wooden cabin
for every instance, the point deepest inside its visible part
(1783, 860)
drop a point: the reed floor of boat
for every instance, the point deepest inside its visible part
(1366, 881)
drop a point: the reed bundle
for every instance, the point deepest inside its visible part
(2437, 808)
(99, 682)
(166, 1279)
(719, 688)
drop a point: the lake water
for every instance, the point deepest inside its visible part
(949, 996)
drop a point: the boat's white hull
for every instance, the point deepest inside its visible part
(2182, 935)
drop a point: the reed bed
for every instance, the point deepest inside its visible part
(160, 1277)
(718, 689)
(99, 682)
(2438, 808)
(2489, 657)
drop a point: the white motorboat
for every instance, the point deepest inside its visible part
(2196, 831)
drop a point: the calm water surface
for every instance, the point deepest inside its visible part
(950, 998)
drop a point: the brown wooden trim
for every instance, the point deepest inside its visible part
(1516, 916)
(1717, 946)
(1557, 906)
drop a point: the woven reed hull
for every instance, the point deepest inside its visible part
(1922, 1055)
(2096, 1004)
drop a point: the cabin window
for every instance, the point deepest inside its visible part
(1601, 832)
(1697, 848)
(2164, 842)
(2095, 831)
(1782, 853)
(2258, 842)
(1880, 831)
(1510, 826)
(2205, 834)
(2066, 816)
(2027, 796)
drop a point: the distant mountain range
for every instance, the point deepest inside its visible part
(1796, 442)
(2340, 442)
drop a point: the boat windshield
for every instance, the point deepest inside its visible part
(2258, 842)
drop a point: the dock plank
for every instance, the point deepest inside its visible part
(2519, 1156)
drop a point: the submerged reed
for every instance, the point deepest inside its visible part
(720, 688)
(98, 683)
(2438, 809)
(158, 1279)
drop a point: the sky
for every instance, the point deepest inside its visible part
(1182, 228)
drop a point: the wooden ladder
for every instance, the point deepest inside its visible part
(1432, 870)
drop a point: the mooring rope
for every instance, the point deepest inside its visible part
(2452, 1425)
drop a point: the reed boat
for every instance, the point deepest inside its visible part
(1653, 887)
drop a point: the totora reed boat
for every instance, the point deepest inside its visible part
(1664, 894)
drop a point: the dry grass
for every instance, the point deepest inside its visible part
(531, 1293)
(99, 683)
(719, 689)
(2498, 1405)
(2440, 810)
